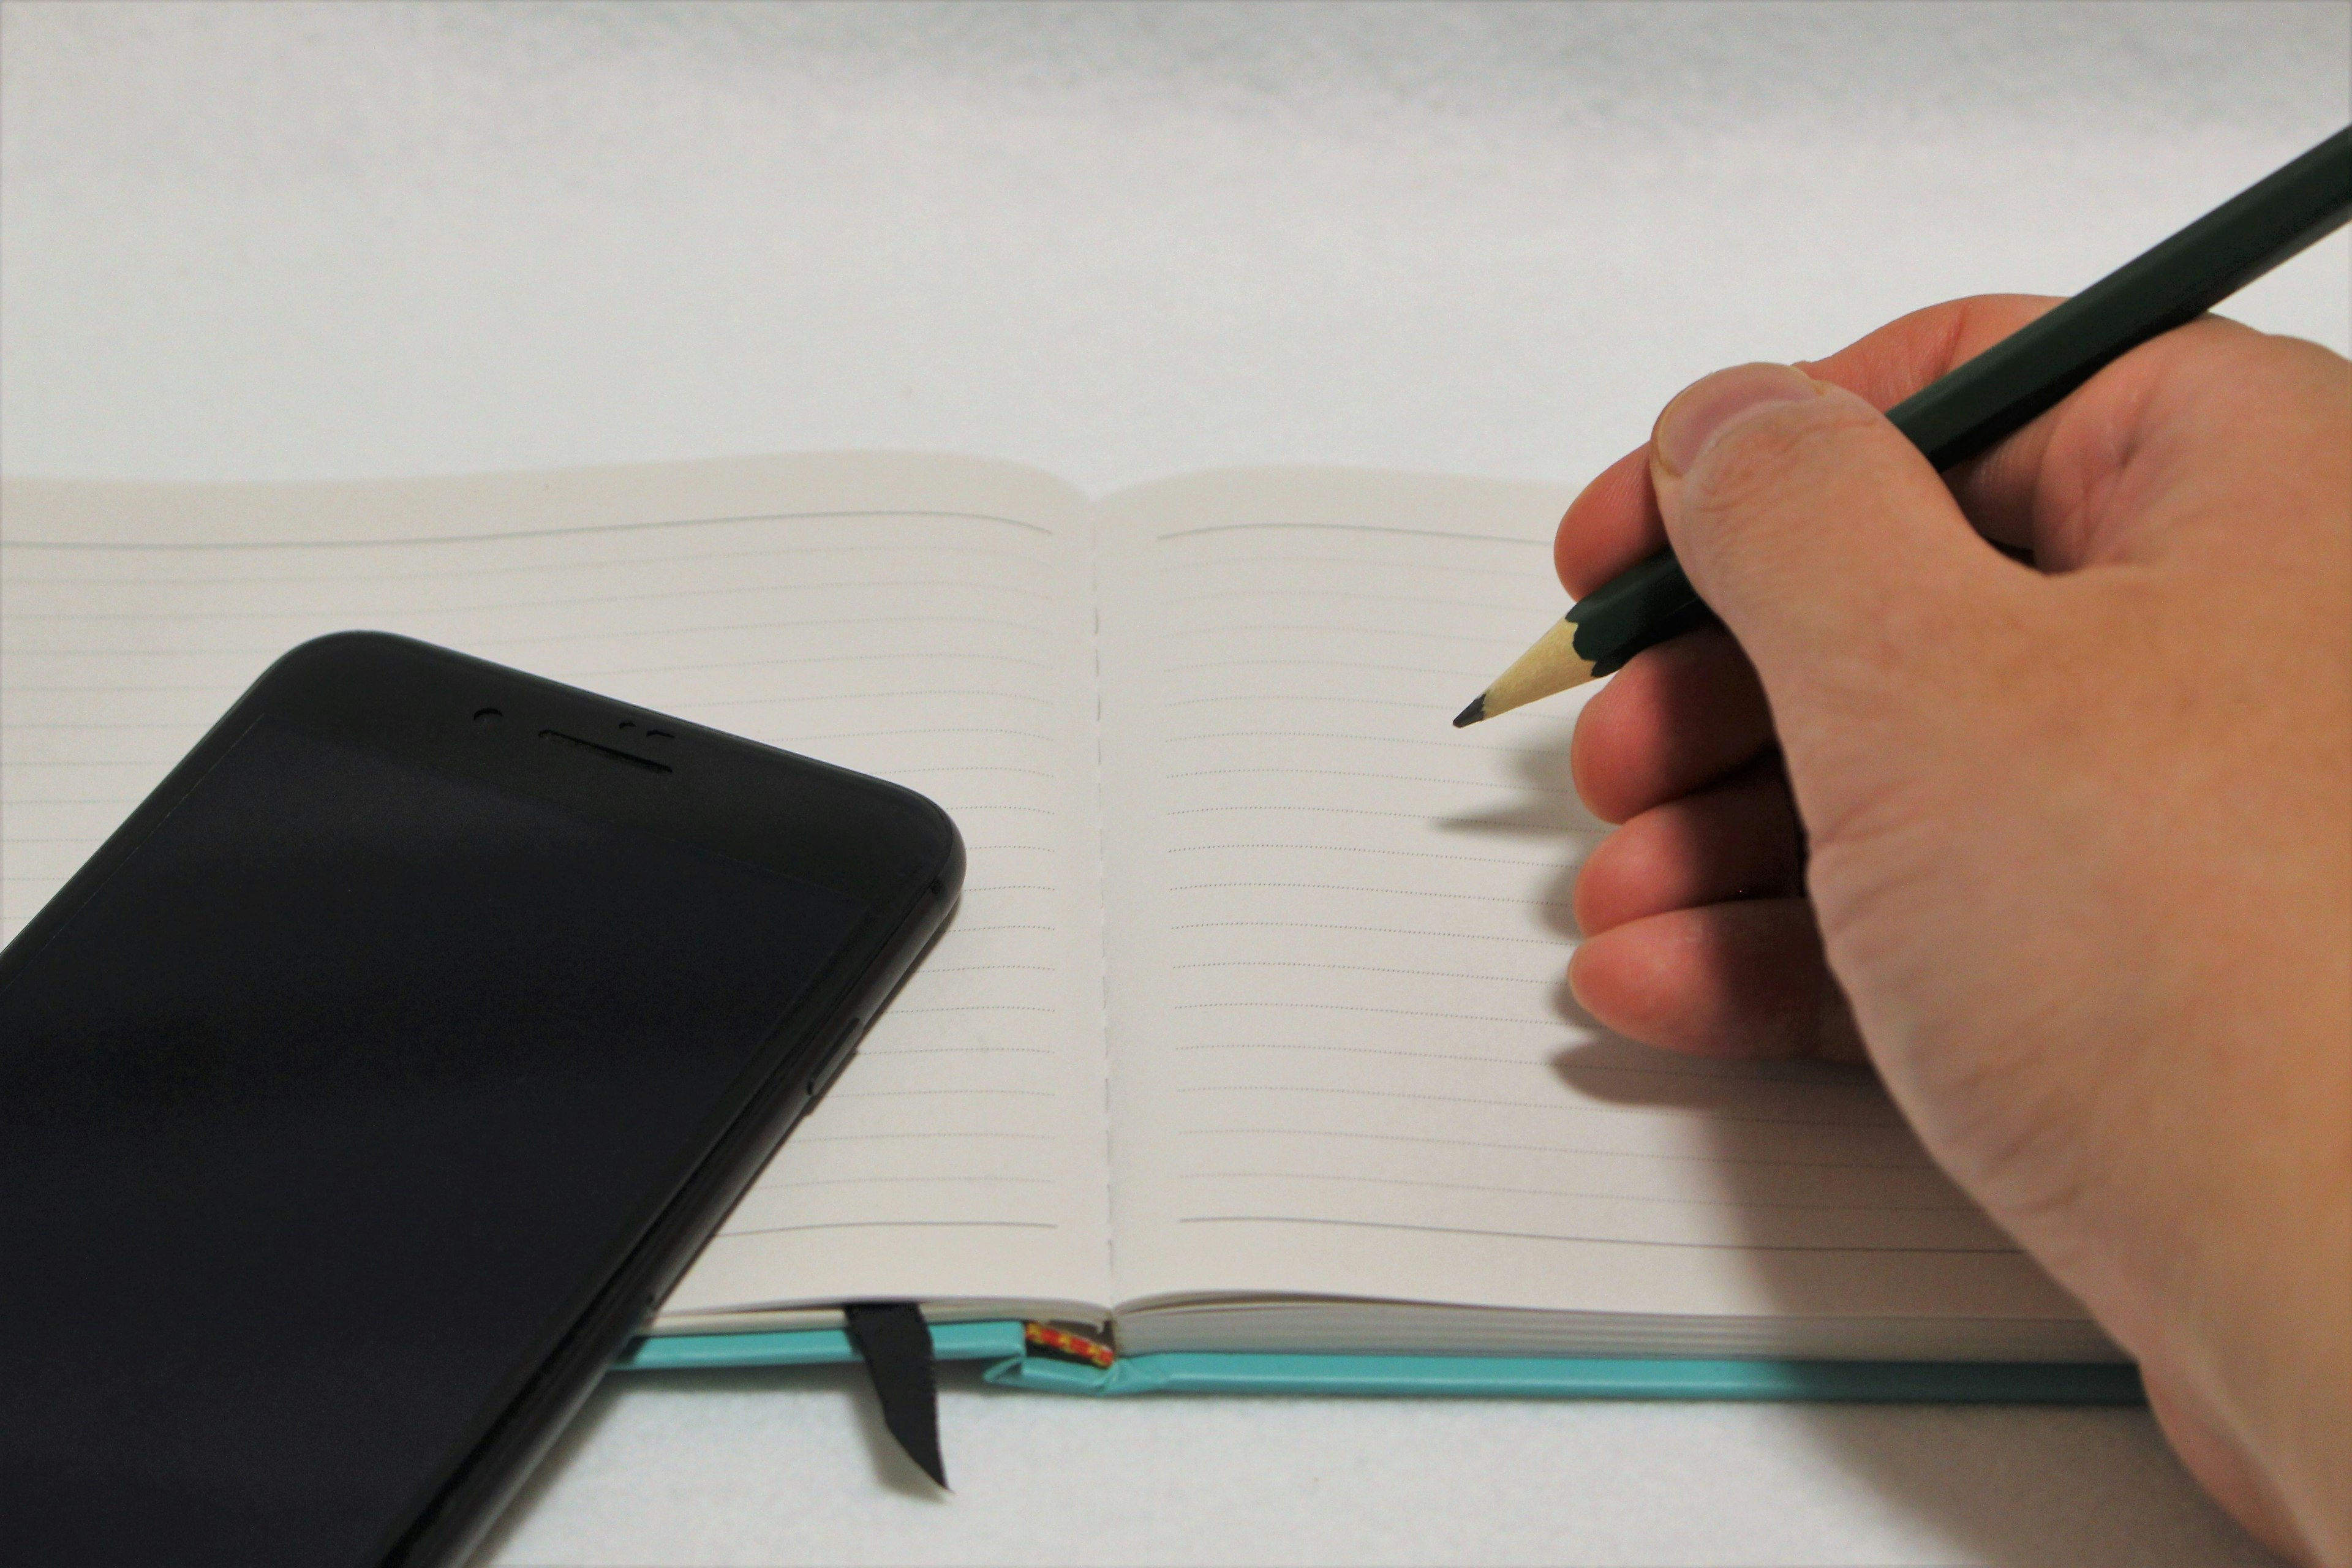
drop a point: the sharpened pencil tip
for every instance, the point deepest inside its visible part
(1472, 714)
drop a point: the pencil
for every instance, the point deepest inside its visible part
(1974, 405)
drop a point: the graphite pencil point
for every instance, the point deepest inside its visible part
(1551, 665)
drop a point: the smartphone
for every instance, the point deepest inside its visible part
(369, 1086)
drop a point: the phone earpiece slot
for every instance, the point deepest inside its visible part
(636, 761)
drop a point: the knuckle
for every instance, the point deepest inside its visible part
(1771, 460)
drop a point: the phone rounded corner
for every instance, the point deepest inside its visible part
(329, 651)
(954, 859)
(941, 852)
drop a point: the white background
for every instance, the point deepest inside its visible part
(285, 241)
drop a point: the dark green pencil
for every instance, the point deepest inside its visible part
(1970, 409)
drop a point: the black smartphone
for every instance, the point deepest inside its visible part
(365, 1089)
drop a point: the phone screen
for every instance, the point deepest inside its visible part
(331, 1107)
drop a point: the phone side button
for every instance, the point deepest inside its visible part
(842, 1052)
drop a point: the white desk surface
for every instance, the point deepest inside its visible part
(292, 242)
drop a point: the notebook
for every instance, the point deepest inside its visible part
(1247, 1056)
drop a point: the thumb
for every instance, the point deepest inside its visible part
(1818, 532)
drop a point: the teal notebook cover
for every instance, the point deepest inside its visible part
(1015, 1363)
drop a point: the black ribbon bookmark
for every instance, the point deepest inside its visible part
(896, 1344)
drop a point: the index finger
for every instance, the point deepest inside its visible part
(1614, 523)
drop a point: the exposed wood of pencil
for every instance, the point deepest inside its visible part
(1549, 667)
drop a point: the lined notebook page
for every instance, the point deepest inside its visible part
(928, 620)
(1345, 1058)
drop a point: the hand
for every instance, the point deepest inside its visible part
(2067, 848)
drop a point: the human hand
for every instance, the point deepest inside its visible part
(2067, 851)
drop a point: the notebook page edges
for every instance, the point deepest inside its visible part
(1346, 1060)
(928, 620)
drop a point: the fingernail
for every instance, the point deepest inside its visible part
(1706, 406)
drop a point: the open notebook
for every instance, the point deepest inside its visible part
(1250, 1036)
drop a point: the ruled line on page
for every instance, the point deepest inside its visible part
(902, 1181)
(1551, 980)
(1262, 529)
(1741, 1203)
(735, 1234)
(1513, 1020)
(518, 605)
(1551, 942)
(1355, 1051)
(1741, 1246)
(947, 730)
(976, 768)
(961, 1049)
(437, 612)
(849, 696)
(586, 564)
(768, 623)
(1583, 1151)
(1326, 633)
(781, 661)
(1314, 810)
(505, 536)
(1352, 563)
(1286, 698)
(1454, 746)
(1228, 596)
(1893, 1124)
(1869, 1091)
(1366, 850)
(1347, 664)
(961, 1007)
(216, 687)
(803, 1137)
(1385, 892)
(106, 763)
(1351, 774)
(1029, 810)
